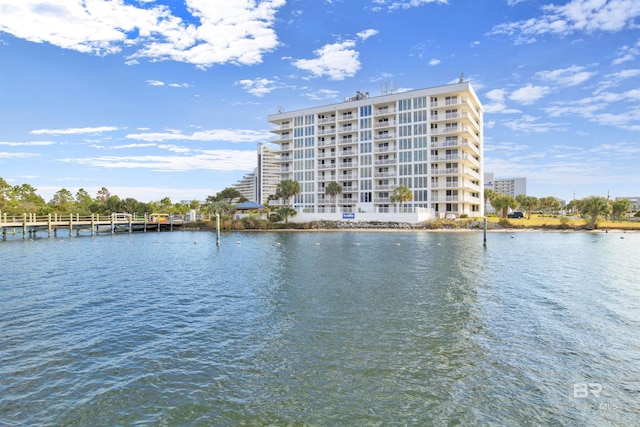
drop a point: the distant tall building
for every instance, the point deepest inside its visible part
(262, 182)
(268, 173)
(429, 140)
(510, 186)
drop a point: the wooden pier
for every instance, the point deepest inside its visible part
(29, 224)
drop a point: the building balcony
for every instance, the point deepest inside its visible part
(279, 139)
(387, 149)
(347, 141)
(327, 120)
(384, 174)
(347, 116)
(385, 124)
(383, 200)
(347, 165)
(348, 153)
(327, 166)
(460, 171)
(384, 110)
(379, 162)
(385, 187)
(326, 155)
(348, 177)
(326, 143)
(460, 142)
(331, 131)
(464, 158)
(381, 137)
(348, 129)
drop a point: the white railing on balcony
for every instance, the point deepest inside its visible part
(384, 149)
(384, 174)
(385, 124)
(383, 111)
(344, 141)
(327, 120)
(327, 166)
(348, 153)
(384, 162)
(348, 165)
(384, 136)
(326, 143)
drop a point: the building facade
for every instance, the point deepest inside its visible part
(510, 186)
(258, 185)
(429, 140)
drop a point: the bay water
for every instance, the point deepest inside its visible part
(321, 329)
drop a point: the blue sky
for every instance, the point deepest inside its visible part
(154, 99)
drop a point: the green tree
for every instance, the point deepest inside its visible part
(25, 199)
(575, 205)
(286, 212)
(102, 196)
(5, 189)
(83, 202)
(549, 205)
(165, 205)
(332, 189)
(286, 189)
(401, 194)
(504, 203)
(62, 201)
(593, 207)
(229, 195)
(527, 203)
(619, 208)
(488, 195)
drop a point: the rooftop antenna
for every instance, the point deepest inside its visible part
(280, 109)
(461, 77)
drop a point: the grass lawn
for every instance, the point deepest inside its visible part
(538, 221)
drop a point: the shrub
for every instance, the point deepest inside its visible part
(464, 215)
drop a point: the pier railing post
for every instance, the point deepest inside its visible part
(24, 226)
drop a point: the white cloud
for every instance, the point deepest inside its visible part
(529, 123)
(220, 160)
(363, 35)
(322, 94)
(228, 32)
(615, 79)
(626, 54)
(529, 94)
(5, 155)
(434, 62)
(406, 4)
(27, 143)
(575, 16)
(225, 135)
(337, 60)
(74, 131)
(258, 87)
(155, 83)
(570, 76)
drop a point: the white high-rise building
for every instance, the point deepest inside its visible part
(429, 140)
(262, 182)
(510, 186)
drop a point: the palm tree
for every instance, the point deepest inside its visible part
(488, 195)
(503, 202)
(620, 207)
(527, 203)
(401, 194)
(595, 206)
(286, 189)
(332, 190)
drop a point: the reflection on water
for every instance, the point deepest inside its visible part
(321, 328)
